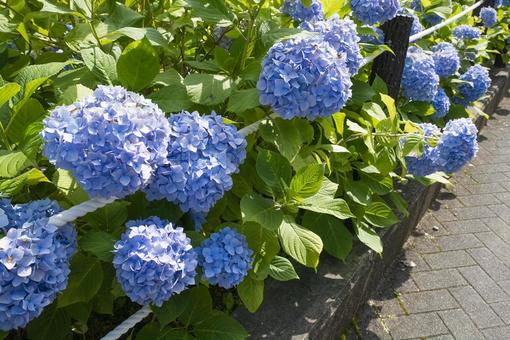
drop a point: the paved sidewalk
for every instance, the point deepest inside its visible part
(453, 278)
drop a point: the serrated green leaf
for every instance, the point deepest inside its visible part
(380, 215)
(84, 281)
(281, 269)
(100, 63)
(8, 91)
(31, 111)
(265, 246)
(301, 244)
(173, 98)
(273, 169)
(243, 100)
(198, 305)
(369, 237)
(325, 205)
(307, 181)
(251, 292)
(53, 324)
(220, 327)
(99, 244)
(208, 89)
(138, 65)
(12, 163)
(255, 208)
(110, 217)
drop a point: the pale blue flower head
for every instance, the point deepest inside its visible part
(304, 77)
(466, 32)
(111, 141)
(425, 163)
(372, 12)
(154, 261)
(203, 154)
(419, 81)
(225, 258)
(476, 84)
(446, 59)
(441, 104)
(301, 13)
(34, 262)
(342, 35)
(489, 16)
(457, 146)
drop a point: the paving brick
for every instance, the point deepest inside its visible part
(387, 308)
(416, 326)
(496, 269)
(478, 200)
(498, 333)
(499, 247)
(483, 284)
(444, 215)
(460, 325)
(487, 188)
(457, 242)
(428, 301)
(503, 310)
(424, 245)
(492, 178)
(466, 227)
(449, 259)
(438, 279)
(500, 227)
(503, 197)
(470, 213)
(441, 337)
(479, 311)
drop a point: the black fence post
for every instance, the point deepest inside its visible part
(390, 66)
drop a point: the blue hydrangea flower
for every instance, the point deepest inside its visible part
(304, 77)
(203, 153)
(111, 141)
(34, 261)
(7, 214)
(416, 5)
(466, 32)
(441, 104)
(153, 261)
(457, 146)
(489, 16)
(446, 59)
(433, 19)
(375, 11)
(299, 12)
(498, 3)
(225, 258)
(342, 35)
(376, 38)
(477, 83)
(419, 81)
(425, 164)
(416, 26)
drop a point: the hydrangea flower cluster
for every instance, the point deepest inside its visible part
(375, 11)
(203, 153)
(446, 59)
(304, 77)
(457, 146)
(111, 141)
(489, 16)
(299, 12)
(225, 258)
(424, 165)
(466, 32)
(342, 35)
(477, 82)
(34, 261)
(419, 81)
(441, 104)
(376, 38)
(153, 261)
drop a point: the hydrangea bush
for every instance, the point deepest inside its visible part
(225, 130)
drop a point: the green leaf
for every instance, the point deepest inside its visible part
(66, 183)
(12, 186)
(110, 217)
(98, 243)
(36, 72)
(375, 111)
(336, 237)
(255, 208)
(301, 244)
(288, 135)
(122, 16)
(208, 89)
(100, 63)
(380, 215)
(358, 191)
(53, 324)
(307, 181)
(198, 305)
(138, 65)
(8, 91)
(251, 292)
(169, 311)
(212, 11)
(369, 237)
(12, 163)
(220, 327)
(325, 205)
(173, 98)
(31, 111)
(84, 281)
(152, 331)
(265, 246)
(136, 33)
(281, 269)
(273, 169)
(243, 100)
(75, 93)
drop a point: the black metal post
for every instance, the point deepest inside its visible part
(390, 66)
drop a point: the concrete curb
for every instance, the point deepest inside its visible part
(321, 305)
